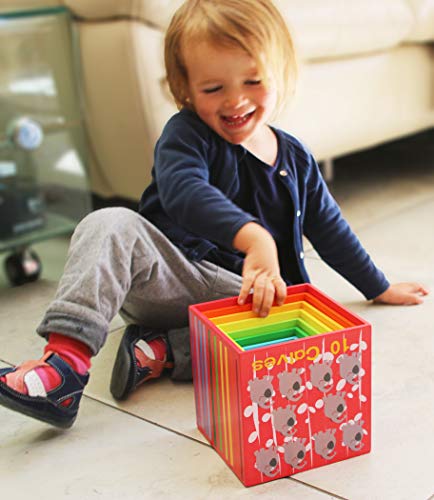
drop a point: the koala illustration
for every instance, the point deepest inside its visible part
(284, 420)
(349, 367)
(321, 376)
(325, 443)
(295, 452)
(352, 435)
(335, 406)
(261, 391)
(267, 460)
(290, 384)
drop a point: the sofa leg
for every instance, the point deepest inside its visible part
(328, 169)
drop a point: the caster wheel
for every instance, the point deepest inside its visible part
(23, 267)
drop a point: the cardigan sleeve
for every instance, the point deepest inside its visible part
(182, 172)
(334, 240)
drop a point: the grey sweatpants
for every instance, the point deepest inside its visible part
(120, 262)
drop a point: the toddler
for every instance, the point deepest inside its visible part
(230, 198)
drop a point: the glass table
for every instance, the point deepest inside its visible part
(44, 186)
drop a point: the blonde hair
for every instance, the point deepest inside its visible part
(256, 26)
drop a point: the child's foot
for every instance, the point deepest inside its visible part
(138, 360)
(47, 389)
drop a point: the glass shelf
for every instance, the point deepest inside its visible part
(55, 225)
(39, 81)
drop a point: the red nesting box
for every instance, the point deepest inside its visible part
(282, 394)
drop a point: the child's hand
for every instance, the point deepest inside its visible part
(265, 289)
(261, 268)
(403, 294)
(261, 272)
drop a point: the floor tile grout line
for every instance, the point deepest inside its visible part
(383, 218)
(126, 412)
(129, 413)
(122, 410)
(334, 495)
(371, 224)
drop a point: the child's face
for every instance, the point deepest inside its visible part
(227, 93)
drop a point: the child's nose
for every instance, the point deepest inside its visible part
(234, 100)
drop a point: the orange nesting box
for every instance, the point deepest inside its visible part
(282, 394)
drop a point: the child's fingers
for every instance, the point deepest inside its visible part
(245, 288)
(413, 299)
(412, 287)
(421, 289)
(259, 293)
(263, 296)
(280, 287)
(418, 300)
(266, 290)
(415, 293)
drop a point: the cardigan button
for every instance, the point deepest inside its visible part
(301, 255)
(283, 173)
(298, 213)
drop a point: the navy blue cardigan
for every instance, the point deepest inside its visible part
(194, 180)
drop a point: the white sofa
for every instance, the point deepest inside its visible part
(366, 77)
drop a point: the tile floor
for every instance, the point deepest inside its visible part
(148, 447)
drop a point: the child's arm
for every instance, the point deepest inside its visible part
(403, 294)
(261, 268)
(339, 247)
(192, 194)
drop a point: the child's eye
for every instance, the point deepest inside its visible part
(211, 90)
(253, 82)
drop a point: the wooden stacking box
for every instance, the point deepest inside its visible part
(283, 394)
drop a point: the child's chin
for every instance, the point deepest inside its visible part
(236, 141)
(239, 137)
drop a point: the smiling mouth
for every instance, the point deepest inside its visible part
(237, 120)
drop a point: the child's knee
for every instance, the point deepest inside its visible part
(111, 219)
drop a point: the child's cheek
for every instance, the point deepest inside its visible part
(269, 98)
